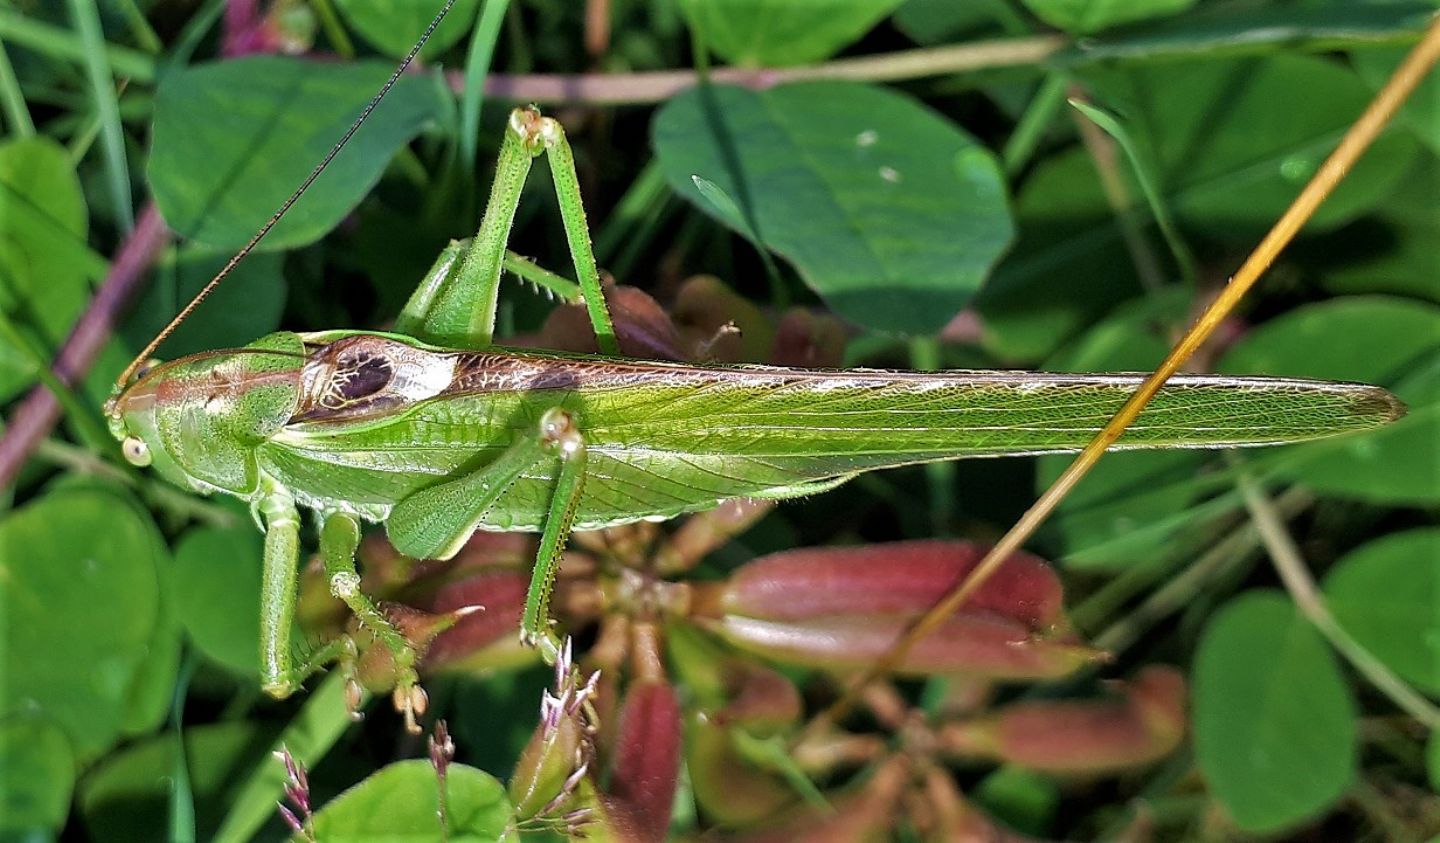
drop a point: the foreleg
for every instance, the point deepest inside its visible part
(279, 675)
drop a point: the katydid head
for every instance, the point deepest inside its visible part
(198, 419)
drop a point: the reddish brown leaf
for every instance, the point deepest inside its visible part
(641, 325)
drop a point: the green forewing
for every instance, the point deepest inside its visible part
(665, 439)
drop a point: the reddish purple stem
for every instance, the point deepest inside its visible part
(37, 414)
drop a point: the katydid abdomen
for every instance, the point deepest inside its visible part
(375, 418)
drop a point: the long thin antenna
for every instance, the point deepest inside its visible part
(285, 206)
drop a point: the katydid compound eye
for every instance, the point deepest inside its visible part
(136, 452)
(145, 369)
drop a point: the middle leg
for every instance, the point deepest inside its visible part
(435, 522)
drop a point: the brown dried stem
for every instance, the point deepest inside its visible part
(1406, 77)
(656, 86)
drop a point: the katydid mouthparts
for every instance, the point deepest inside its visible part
(436, 432)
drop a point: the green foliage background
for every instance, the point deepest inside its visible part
(897, 198)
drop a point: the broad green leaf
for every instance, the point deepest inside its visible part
(232, 140)
(45, 264)
(1246, 29)
(1068, 267)
(1421, 111)
(893, 214)
(244, 308)
(81, 596)
(1126, 510)
(398, 803)
(1374, 339)
(1274, 719)
(1394, 250)
(1387, 594)
(127, 796)
(782, 32)
(1228, 156)
(1083, 17)
(153, 689)
(945, 21)
(217, 588)
(1023, 799)
(37, 772)
(393, 26)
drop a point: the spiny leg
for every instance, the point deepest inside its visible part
(435, 522)
(456, 303)
(560, 436)
(339, 538)
(577, 229)
(416, 317)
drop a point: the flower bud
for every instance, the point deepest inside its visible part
(898, 577)
(552, 765)
(807, 339)
(546, 765)
(842, 608)
(705, 531)
(1144, 723)
(972, 645)
(482, 640)
(647, 761)
(730, 790)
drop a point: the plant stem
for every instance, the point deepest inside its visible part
(50, 40)
(332, 27)
(1177, 593)
(659, 85)
(477, 70)
(102, 94)
(13, 99)
(158, 493)
(1290, 565)
(1033, 123)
